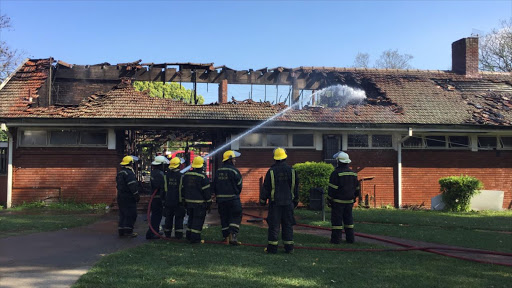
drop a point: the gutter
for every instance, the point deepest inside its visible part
(399, 202)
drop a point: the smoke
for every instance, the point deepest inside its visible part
(340, 96)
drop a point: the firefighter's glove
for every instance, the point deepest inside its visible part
(137, 197)
(263, 203)
(209, 206)
(295, 204)
(329, 203)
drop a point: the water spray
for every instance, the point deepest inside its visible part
(351, 95)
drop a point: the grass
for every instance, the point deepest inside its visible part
(490, 230)
(178, 264)
(40, 217)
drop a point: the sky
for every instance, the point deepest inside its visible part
(246, 34)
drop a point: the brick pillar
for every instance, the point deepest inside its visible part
(223, 91)
(465, 56)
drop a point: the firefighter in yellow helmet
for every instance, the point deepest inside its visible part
(174, 209)
(343, 190)
(159, 183)
(127, 197)
(281, 190)
(196, 190)
(227, 186)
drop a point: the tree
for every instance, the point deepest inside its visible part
(496, 49)
(391, 59)
(9, 58)
(168, 90)
(362, 60)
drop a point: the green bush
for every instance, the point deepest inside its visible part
(458, 190)
(312, 175)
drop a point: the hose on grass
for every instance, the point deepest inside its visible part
(406, 247)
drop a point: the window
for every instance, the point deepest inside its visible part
(486, 142)
(435, 141)
(277, 140)
(93, 138)
(506, 142)
(382, 141)
(59, 138)
(252, 140)
(302, 140)
(413, 142)
(64, 137)
(458, 142)
(3, 160)
(357, 140)
(33, 138)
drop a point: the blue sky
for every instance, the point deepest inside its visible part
(246, 34)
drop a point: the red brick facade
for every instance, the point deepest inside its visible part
(78, 174)
(420, 173)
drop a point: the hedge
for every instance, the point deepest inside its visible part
(312, 175)
(458, 190)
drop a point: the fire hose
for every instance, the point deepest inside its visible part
(406, 247)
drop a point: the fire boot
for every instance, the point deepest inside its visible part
(233, 240)
(271, 249)
(178, 235)
(349, 235)
(288, 248)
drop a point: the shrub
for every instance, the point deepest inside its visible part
(312, 175)
(458, 190)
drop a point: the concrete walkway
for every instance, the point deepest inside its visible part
(59, 258)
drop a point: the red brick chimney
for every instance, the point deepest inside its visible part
(223, 91)
(465, 56)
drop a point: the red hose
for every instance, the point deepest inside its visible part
(406, 246)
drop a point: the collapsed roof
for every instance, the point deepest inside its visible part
(393, 97)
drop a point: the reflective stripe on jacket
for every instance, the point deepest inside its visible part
(343, 185)
(227, 184)
(196, 187)
(280, 185)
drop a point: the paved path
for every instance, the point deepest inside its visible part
(59, 258)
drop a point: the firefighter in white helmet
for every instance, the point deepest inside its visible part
(127, 197)
(227, 187)
(159, 183)
(344, 188)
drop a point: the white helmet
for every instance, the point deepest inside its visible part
(342, 157)
(160, 160)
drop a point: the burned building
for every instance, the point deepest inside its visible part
(69, 125)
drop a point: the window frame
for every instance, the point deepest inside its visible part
(48, 138)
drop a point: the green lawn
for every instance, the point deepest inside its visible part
(178, 264)
(483, 230)
(37, 217)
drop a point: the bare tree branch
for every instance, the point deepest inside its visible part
(362, 60)
(391, 59)
(496, 49)
(9, 58)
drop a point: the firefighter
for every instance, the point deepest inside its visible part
(127, 197)
(173, 203)
(343, 190)
(281, 189)
(159, 183)
(227, 187)
(196, 190)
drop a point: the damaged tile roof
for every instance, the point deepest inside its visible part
(401, 97)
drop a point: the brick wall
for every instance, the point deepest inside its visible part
(3, 190)
(78, 174)
(422, 170)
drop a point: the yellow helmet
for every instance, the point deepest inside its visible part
(127, 160)
(198, 162)
(175, 162)
(230, 154)
(279, 154)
